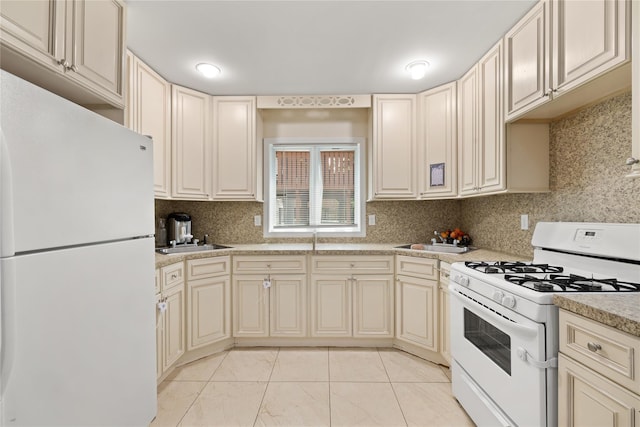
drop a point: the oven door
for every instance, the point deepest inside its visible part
(499, 372)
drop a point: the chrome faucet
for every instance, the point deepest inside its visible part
(439, 237)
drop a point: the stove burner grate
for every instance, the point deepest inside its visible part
(572, 283)
(501, 267)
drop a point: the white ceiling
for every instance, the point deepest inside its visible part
(315, 47)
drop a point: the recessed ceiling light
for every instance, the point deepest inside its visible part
(208, 70)
(417, 69)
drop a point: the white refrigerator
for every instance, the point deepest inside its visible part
(76, 265)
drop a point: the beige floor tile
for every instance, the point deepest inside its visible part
(446, 371)
(250, 364)
(226, 404)
(174, 398)
(430, 404)
(301, 364)
(364, 404)
(199, 370)
(356, 364)
(404, 367)
(295, 404)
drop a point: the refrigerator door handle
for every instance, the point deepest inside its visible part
(7, 243)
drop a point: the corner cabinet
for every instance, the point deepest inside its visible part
(598, 364)
(352, 297)
(80, 40)
(481, 152)
(561, 45)
(170, 331)
(149, 113)
(236, 165)
(393, 153)
(437, 143)
(191, 144)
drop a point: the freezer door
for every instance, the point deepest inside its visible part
(69, 175)
(78, 332)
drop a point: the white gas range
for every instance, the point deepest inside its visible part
(504, 326)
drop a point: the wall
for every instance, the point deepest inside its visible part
(587, 155)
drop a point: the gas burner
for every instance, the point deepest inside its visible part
(501, 267)
(571, 283)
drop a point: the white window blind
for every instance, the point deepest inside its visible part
(314, 188)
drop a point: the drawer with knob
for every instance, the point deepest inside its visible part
(248, 264)
(352, 264)
(604, 349)
(172, 275)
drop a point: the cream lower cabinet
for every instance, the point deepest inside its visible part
(172, 319)
(417, 296)
(443, 305)
(269, 296)
(81, 40)
(598, 382)
(352, 296)
(208, 301)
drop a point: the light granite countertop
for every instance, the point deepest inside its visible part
(337, 249)
(620, 311)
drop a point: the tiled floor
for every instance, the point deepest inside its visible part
(309, 387)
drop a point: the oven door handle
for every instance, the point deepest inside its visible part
(505, 323)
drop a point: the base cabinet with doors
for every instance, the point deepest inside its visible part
(598, 374)
(208, 310)
(417, 296)
(443, 310)
(269, 296)
(352, 296)
(170, 333)
(560, 45)
(62, 39)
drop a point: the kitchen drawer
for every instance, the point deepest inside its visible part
(269, 264)
(352, 264)
(606, 350)
(425, 268)
(445, 272)
(208, 267)
(172, 275)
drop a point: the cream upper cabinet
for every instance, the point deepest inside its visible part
(561, 45)
(191, 144)
(527, 59)
(393, 154)
(208, 301)
(417, 302)
(481, 147)
(236, 167)
(437, 142)
(635, 99)
(84, 40)
(149, 113)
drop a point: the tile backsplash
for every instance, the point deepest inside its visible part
(587, 154)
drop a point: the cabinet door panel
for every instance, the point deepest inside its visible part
(234, 148)
(288, 296)
(394, 146)
(209, 317)
(373, 306)
(191, 163)
(330, 306)
(416, 308)
(96, 45)
(174, 327)
(590, 37)
(250, 307)
(467, 131)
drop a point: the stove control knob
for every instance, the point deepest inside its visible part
(461, 280)
(497, 296)
(509, 301)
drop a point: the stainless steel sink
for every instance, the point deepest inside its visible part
(442, 248)
(190, 248)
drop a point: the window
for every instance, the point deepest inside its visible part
(313, 186)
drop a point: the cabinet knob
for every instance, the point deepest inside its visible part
(592, 346)
(73, 68)
(632, 161)
(63, 62)
(174, 276)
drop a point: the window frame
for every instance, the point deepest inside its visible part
(344, 143)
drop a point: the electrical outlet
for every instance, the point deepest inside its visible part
(372, 220)
(257, 220)
(524, 222)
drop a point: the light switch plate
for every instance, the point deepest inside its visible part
(257, 220)
(372, 220)
(524, 222)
